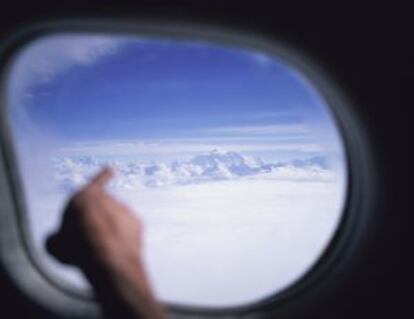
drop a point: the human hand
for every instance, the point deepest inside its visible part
(104, 238)
(97, 229)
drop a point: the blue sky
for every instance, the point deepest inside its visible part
(87, 93)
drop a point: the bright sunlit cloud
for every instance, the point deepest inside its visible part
(54, 55)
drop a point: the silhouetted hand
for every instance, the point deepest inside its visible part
(97, 228)
(104, 238)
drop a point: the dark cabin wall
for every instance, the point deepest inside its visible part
(369, 51)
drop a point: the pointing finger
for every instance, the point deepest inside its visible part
(102, 177)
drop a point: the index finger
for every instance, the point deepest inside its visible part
(102, 177)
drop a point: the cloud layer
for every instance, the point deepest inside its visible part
(249, 216)
(206, 167)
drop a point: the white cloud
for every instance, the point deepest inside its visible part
(178, 147)
(237, 139)
(45, 58)
(249, 226)
(261, 59)
(206, 167)
(266, 115)
(262, 129)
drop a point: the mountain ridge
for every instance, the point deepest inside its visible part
(211, 166)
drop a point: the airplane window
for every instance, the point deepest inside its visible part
(230, 155)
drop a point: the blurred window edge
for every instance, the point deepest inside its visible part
(25, 268)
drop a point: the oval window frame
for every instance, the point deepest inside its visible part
(360, 180)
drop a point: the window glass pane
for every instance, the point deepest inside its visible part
(229, 155)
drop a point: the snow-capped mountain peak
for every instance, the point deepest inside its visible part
(217, 164)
